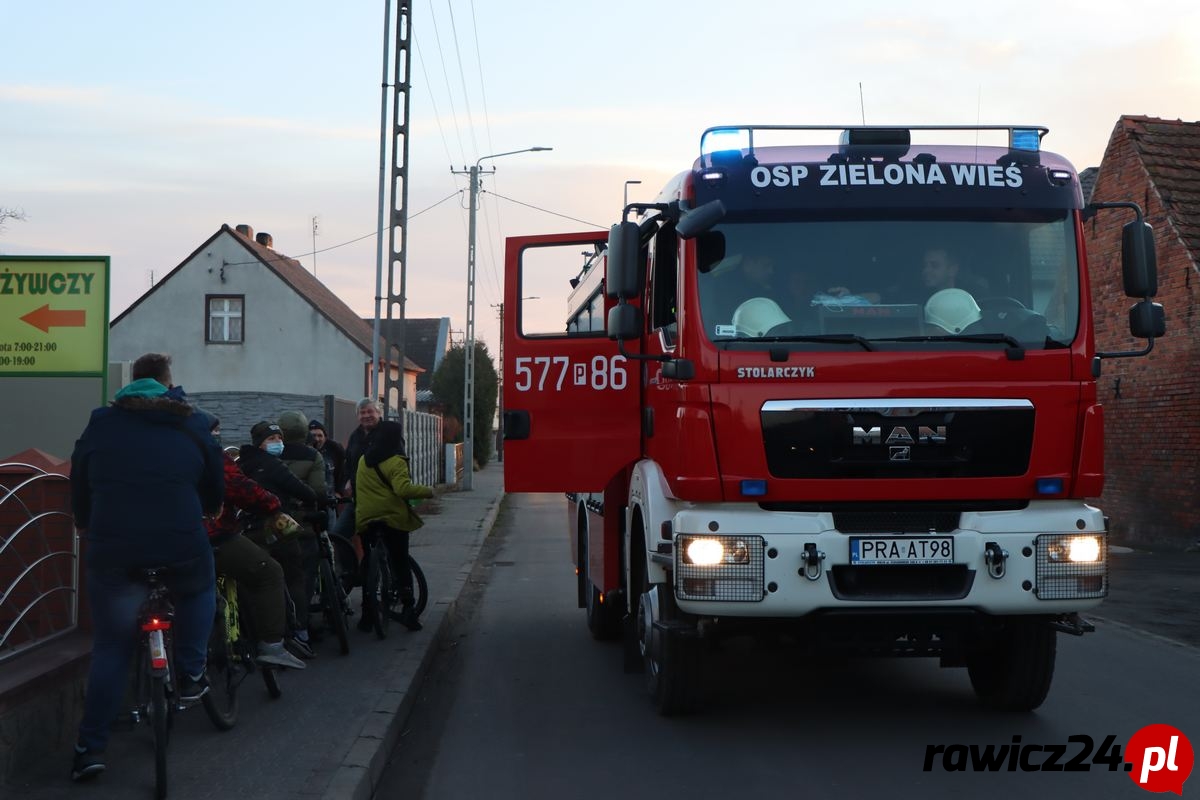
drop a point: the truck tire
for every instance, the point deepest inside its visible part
(603, 619)
(1014, 674)
(672, 661)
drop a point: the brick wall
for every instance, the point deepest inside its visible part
(1151, 404)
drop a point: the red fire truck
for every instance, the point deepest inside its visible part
(842, 390)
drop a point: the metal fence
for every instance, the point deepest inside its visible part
(423, 437)
(39, 559)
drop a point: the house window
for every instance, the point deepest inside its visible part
(223, 318)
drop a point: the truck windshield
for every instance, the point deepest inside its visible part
(993, 276)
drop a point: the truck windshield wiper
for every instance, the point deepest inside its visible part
(832, 338)
(986, 338)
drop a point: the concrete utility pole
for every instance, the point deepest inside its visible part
(396, 220)
(469, 353)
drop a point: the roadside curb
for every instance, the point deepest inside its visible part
(363, 764)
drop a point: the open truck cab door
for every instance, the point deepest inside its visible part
(571, 400)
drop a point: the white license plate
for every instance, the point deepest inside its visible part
(901, 550)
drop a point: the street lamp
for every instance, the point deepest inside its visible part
(627, 185)
(469, 355)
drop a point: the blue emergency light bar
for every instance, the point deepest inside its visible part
(738, 138)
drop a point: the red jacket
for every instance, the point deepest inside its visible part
(241, 494)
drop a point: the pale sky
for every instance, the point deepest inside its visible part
(135, 129)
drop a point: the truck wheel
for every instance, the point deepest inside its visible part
(1015, 674)
(603, 619)
(671, 661)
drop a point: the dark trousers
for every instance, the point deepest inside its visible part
(116, 597)
(260, 584)
(396, 542)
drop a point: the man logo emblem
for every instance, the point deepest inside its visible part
(900, 453)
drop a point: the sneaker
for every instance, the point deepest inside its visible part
(192, 689)
(87, 764)
(298, 648)
(276, 655)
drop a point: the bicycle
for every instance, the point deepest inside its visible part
(382, 588)
(154, 689)
(333, 599)
(231, 649)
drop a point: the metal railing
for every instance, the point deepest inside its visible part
(39, 571)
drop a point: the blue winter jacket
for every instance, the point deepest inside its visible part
(143, 475)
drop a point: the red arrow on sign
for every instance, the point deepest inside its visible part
(45, 318)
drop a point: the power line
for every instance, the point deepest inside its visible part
(436, 114)
(446, 77)
(462, 76)
(280, 256)
(545, 210)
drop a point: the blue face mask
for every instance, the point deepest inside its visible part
(275, 448)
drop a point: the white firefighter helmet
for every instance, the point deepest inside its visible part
(952, 310)
(758, 315)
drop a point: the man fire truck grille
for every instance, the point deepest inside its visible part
(894, 521)
(1071, 566)
(915, 582)
(734, 573)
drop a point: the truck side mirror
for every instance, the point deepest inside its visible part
(1139, 265)
(623, 276)
(624, 320)
(1147, 320)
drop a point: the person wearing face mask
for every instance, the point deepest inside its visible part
(260, 462)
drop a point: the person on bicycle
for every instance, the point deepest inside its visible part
(307, 465)
(144, 473)
(260, 462)
(383, 507)
(259, 577)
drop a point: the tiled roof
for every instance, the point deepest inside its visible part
(291, 272)
(1170, 151)
(422, 339)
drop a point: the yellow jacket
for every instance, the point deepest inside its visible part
(375, 500)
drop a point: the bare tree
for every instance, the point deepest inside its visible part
(10, 213)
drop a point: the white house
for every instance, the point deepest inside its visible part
(237, 316)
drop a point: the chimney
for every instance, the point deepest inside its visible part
(245, 230)
(265, 240)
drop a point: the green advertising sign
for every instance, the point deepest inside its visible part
(53, 315)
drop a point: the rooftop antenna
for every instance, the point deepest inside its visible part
(861, 104)
(314, 234)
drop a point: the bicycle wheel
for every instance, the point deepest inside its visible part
(158, 716)
(419, 585)
(378, 591)
(345, 562)
(331, 604)
(221, 701)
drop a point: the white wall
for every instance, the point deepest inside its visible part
(288, 345)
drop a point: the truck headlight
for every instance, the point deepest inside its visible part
(1074, 549)
(728, 568)
(1072, 566)
(711, 551)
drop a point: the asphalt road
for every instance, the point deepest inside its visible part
(521, 703)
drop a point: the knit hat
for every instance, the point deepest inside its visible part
(261, 430)
(294, 425)
(315, 425)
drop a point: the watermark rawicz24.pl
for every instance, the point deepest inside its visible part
(1158, 758)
